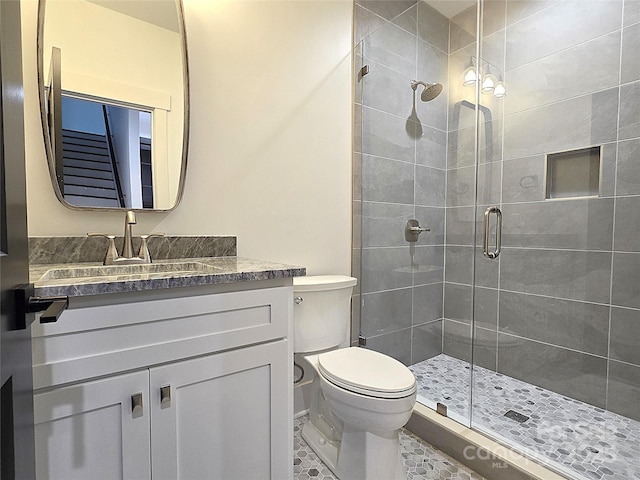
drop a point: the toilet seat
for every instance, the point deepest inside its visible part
(367, 372)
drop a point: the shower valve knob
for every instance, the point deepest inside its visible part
(412, 231)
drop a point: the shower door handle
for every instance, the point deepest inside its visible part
(485, 243)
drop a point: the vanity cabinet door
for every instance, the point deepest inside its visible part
(94, 430)
(224, 416)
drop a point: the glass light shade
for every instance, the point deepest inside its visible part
(499, 90)
(469, 77)
(488, 83)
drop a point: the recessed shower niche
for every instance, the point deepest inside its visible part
(574, 173)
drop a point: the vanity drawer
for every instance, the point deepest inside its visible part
(97, 341)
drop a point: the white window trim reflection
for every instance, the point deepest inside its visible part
(133, 96)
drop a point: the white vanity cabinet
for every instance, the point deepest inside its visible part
(222, 417)
(88, 430)
(184, 388)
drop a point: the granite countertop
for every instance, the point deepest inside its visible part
(199, 271)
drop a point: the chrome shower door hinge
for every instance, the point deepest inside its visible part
(362, 341)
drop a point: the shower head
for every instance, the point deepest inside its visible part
(431, 90)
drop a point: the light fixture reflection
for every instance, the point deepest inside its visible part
(488, 83)
(499, 90)
(477, 72)
(470, 78)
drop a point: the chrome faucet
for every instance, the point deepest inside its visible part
(127, 246)
(113, 258)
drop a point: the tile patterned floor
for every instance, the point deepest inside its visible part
(423, 462)
(586, 442)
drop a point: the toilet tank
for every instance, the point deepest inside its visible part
(321, 312)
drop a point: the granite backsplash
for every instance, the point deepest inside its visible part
(47, 250)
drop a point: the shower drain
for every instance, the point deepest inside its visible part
(518, 417)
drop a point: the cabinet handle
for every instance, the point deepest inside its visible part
(136, 403)
(165, 395)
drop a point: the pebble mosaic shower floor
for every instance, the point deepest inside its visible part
(586, 441)
(422, 461)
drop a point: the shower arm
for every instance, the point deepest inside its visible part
(415, 83)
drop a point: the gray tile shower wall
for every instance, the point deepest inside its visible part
(402, 147)
(628, 174)
(575, 325)
(568, 372)
(569, 21)
(631, 12)
(629, 105)
(560, 308)
(566, 125)
(527, 86)
(630, 47)
(623, 390)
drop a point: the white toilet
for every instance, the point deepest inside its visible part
(360, 398)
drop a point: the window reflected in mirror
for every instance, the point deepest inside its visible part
(106, 154)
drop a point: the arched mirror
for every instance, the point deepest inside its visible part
(114, 100)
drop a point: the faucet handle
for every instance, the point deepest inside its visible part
(112, 251)
(144, 246)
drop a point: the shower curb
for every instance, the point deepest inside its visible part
(481, 454)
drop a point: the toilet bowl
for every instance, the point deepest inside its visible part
(360, 398)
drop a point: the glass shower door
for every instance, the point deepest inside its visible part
(556, 326)
(402, 108)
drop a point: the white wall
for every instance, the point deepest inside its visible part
(269, 157)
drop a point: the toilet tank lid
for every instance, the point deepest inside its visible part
(317, 283)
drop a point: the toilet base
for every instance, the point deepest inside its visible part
(360, 455)
(327, 451)
(369, 456)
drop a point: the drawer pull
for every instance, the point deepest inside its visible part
(136, 403)
(165, 395)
